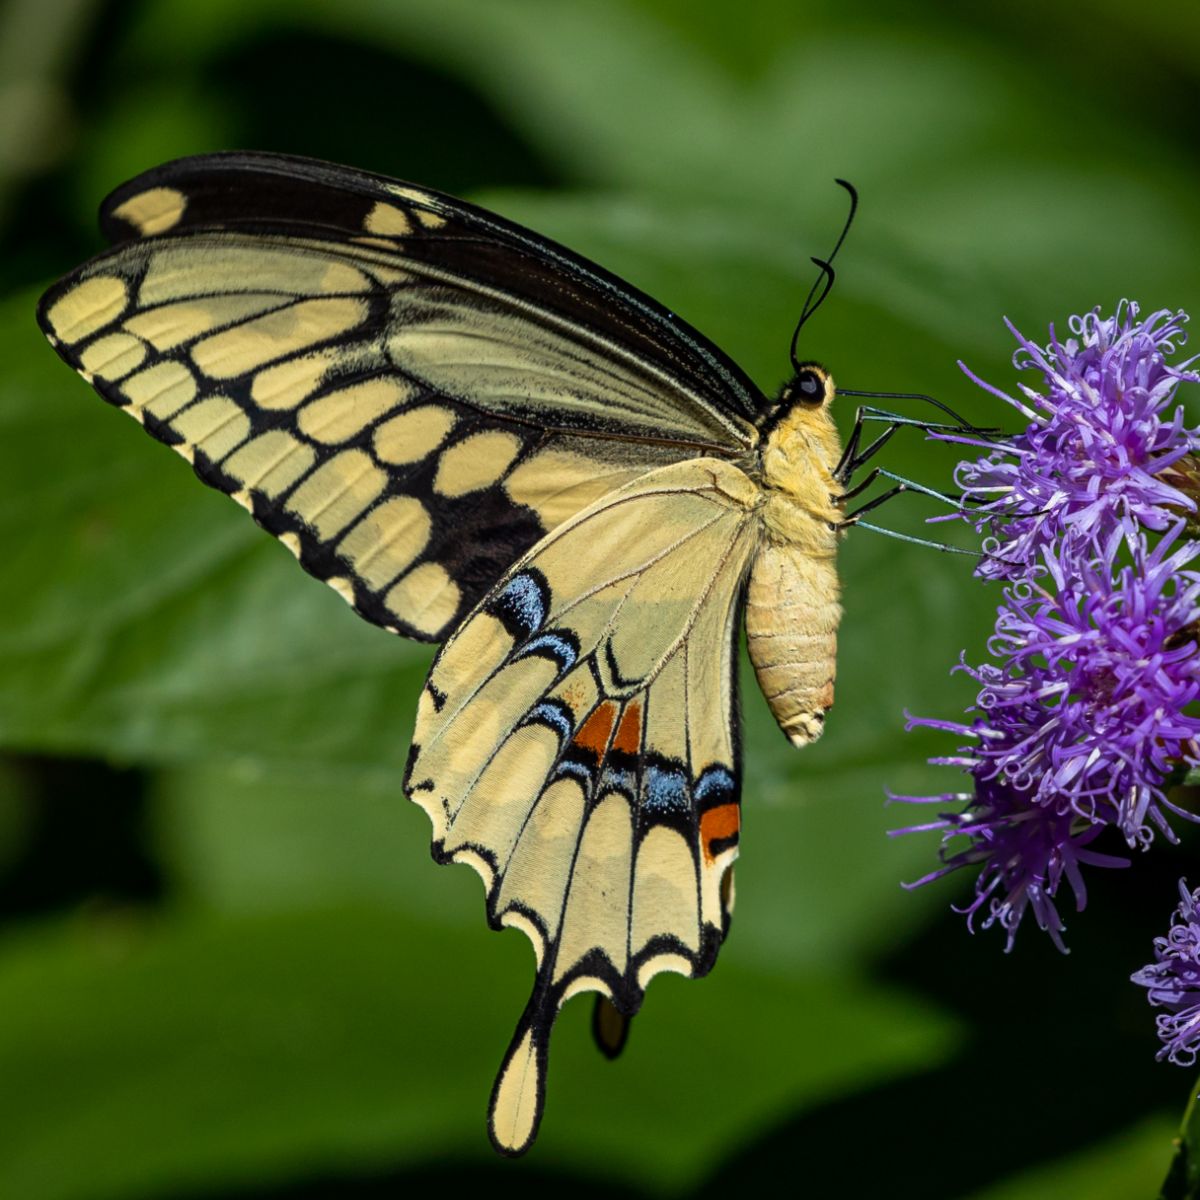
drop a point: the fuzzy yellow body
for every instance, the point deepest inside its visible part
(792, 605)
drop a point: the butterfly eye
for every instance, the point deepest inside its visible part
(809, 387)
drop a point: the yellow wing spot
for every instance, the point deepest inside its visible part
(286, 385)
(271, 463)
(114, 356)
(338, 416)
(208, 266)
(215, 426)
(166, 325)
(243, 499)
(292, 542)
(377, 243)
(161, 390)
(387, 540)
(387, 219)
(430, 220)
(476, 462)
(344, 588)
(87, 308)
(337, 492)
(412, 435)
(556, 484)
(235, 351)
(153, 211)
(426, 598)
(389, 276)
(409, 193)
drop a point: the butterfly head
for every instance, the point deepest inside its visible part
(802, 404)
(811, 387)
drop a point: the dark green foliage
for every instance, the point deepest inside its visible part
(266, 989)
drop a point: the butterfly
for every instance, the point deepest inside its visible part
(481, 439)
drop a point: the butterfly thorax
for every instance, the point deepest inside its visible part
(799, 454)
(797, 471)
(792, 609)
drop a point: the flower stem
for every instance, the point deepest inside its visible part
(1183, 1177)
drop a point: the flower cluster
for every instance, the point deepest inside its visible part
(1095, 455)
(1173, 981)
(1088, 707)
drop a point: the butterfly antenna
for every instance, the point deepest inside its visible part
(824, 281)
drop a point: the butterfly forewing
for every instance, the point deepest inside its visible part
(491, 270)
(406, 391)
(575, 745)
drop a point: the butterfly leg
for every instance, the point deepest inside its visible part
(902, 485)
(853, 458)
(850, 455)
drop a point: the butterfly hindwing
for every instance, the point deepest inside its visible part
(575, 744)
(398, 386)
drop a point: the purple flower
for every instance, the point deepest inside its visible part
(1099, 677)
(1080, 722)
(1087, 709)
(1023, 850)
(1173, 981)
(1098, 441)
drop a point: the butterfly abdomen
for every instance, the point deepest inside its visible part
(792, 615)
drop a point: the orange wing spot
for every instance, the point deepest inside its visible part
(629, 732)
(717, 825)
(593, 733)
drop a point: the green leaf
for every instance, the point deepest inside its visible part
(169, 1055)
(266, 1032)
(1118, 1169)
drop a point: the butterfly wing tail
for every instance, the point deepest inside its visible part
(519, 1093)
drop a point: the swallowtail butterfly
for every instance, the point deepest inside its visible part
(478, 438)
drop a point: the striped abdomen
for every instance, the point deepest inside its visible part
(792, 615)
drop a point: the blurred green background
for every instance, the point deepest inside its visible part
(228, 966)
